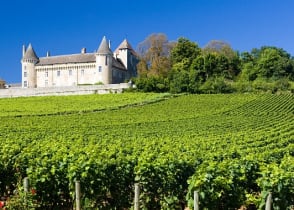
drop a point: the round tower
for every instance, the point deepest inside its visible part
(104, 58)
(29, 61)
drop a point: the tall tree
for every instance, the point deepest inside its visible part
(154, 52)
(229, 62)
(184, 49)
(142, 68)
(219, 47)
(182, 56)
(274, 63)
(267, 63)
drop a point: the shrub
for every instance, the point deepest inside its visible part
(216, 85)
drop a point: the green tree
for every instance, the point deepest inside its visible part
(197, 74)
(266, 63)
(182, 77)
(179, 76)
(228, 60)
(184, 49)
(274, 63)
(219, 47)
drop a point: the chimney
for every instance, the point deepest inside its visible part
(48, 54)
(84, 50)
(23, 50)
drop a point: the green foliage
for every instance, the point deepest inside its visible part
(152, 84)
(184, 49)
(220, 185)
(266, 63)
(216, 85)
(187, 68)
(282, 84)
(278, 179)
(225, 184)
(233, 148)
(243, 86)
(249, 72)
(261, 85)
(99, 83)
(69, 104)
(179, 81)
(273, 63)
(21, 200)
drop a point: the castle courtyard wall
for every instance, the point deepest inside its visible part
(56, 91)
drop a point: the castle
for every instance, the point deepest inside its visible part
(100, 67)
(2, 83)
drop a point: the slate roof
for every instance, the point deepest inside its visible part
(125, 45)
(118, 64)
(83, 57)
(104, 47)
(76, 58)
(65, 59)
(30, 53)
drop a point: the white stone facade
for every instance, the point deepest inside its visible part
(101, 67)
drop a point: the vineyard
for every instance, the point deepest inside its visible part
(233, 149)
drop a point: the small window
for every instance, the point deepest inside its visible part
(100, 69)
(82, 72)
(46, 73)
(58, 73)
(25, 74)
(70, 72)
(25, 83)
(106, 60)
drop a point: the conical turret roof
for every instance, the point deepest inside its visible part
(30, 53)
(125, 45)
(104, 47)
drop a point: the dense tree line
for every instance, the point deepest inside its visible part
(183, 66)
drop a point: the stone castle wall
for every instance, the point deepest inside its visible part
(55, 91)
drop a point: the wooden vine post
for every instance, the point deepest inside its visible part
(78, 194)
(26, 190)
(269, 201)
(196, 200)
(26, 184)
(137, 197)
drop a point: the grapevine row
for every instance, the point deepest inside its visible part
(224, 146)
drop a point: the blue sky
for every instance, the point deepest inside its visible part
(66, 26)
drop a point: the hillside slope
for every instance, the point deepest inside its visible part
(234, 149)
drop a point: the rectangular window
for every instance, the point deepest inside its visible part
(106, 60)
(70, 72)
(100, 69)
(82, 72)
(46, 73)
(25, 74)
(25, 83)
(58, 73)
(46, 83)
